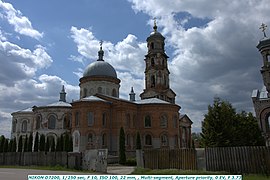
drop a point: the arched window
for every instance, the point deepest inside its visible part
(163, 121)
(128, 120)
(90, 138)
(24, 126)
(76, 140)
(175, 121)
(104, 120)
(148, 140)
(267, 124)
(84, 92)
(14, 124)
(104, 140)
(152, 62)
(100, 90)
(51, 122)
(147, 121)
(184, 137)
(152, 45)
(67, 121)
(77, 119)
(153, 81)
(90, 118)
(164, 140)
(114, 94)
(128, 140)
(38, 121)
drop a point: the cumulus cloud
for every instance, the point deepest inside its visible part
(217, 59)
(123, 55)
(21, 24)
(18, 63)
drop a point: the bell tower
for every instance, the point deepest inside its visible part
(157, 84)
(261, 99)
(264, 48)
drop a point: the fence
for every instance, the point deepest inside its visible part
(174, 159)
(71, 160)
(238, 159)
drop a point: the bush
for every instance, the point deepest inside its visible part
(131, 162)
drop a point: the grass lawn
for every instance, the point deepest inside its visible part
(142, 171)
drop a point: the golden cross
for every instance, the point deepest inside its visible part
(263, 28)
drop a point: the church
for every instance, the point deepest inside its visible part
(95, 119)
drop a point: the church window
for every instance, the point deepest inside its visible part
(104, 120)
(84, 92)
(77, 119)
(148, 140)
(90, 118)
(76, 139)
(51, 122)
(152, 45)
(67, 121)
(134, 121)
(100, 90)
(147, 121)
(24, 126)
(175, 140)
(152, 62)
(184, 137)
(164, 140)
(114, 93)
(175, 121)
(38, 121)
(153, 81)
(128, 140)
(104, 140)
(134, 141)
(90, 138)
(267, 124)
(128, 120)
(163, 121)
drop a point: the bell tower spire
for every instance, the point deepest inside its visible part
(157, 83)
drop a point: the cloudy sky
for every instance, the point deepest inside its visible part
(211, 45)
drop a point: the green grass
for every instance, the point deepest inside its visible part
(142, 171)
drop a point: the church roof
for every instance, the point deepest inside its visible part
(100, 68)
(91, 99)
(151, 101)
(59, 104)
(259, 94)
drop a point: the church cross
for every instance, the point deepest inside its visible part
(100, 44)
(263, 28)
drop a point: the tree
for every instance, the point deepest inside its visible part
(122, 148)
(5, 146)
(30, 143)
(70, 149)
(10, 144)
(248, 132)
(138, 141)
(47, 145)
(36, 145)
(20, 144)
(25, 146)
(58, 144)
(53, 145)
(2, 143)
(14, 145)
(42, 143)
(196, 140)
(223, 127)
(66, 142)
